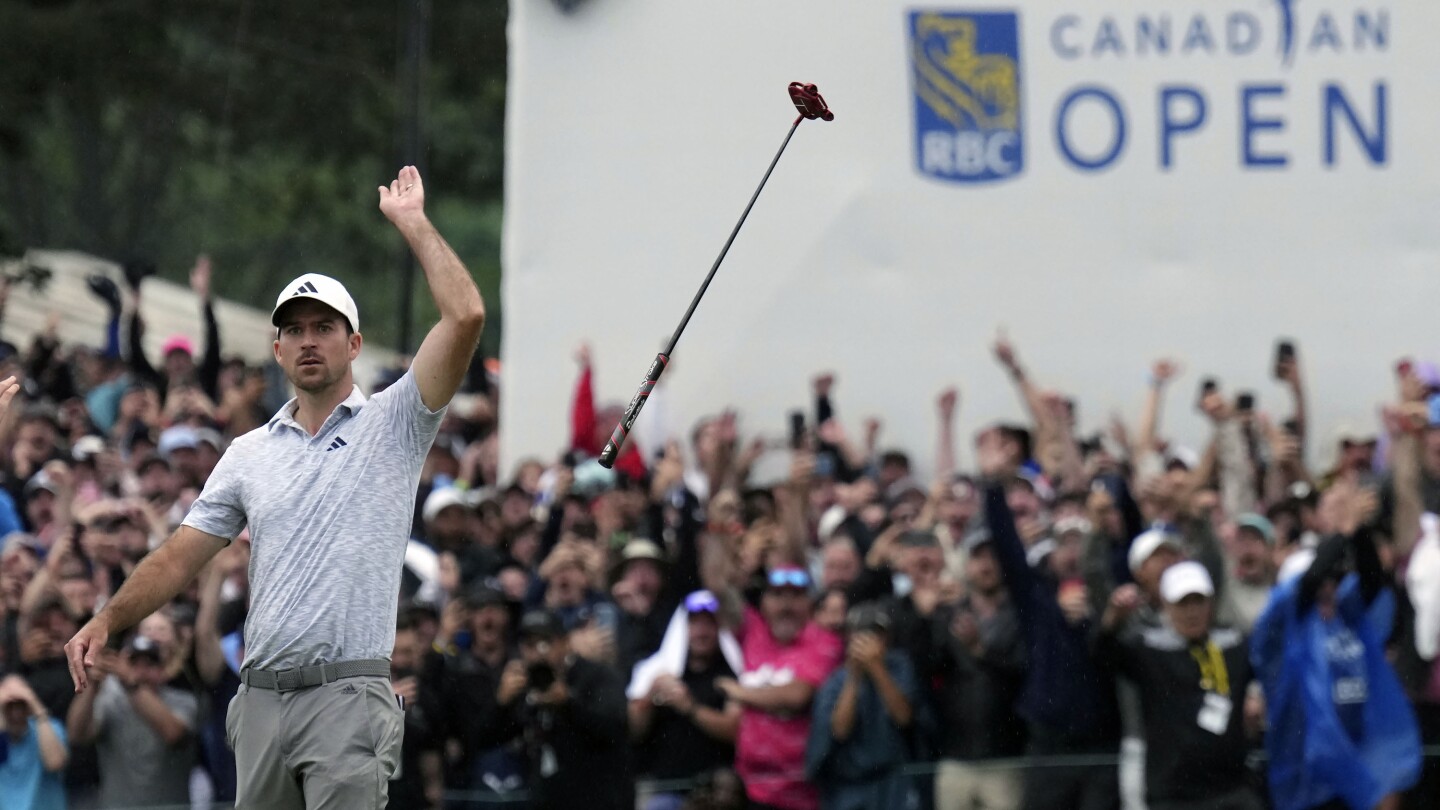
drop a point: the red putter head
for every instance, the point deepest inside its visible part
(809, 102)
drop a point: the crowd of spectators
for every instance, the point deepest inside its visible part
(1069, 621)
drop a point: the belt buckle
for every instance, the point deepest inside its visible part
(288, 680)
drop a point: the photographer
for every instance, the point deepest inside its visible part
(572, 715)
(34, 750)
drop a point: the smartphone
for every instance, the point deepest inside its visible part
(797, 430)
(1245, 402)
(1208, 386)
(1284, 354)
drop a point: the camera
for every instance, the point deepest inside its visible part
(540, 676)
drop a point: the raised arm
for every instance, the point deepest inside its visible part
(1161, 373)
(445, 354)
(154, 582)
(208, 373)
(209, 655)
(1289, 373)
(945, 460)
(1030, 395)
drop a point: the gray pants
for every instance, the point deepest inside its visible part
(328, 747)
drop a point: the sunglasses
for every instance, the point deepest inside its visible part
(789, 578)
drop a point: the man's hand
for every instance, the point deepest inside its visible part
(1163, 371)
(966, 631)
(925, 599)
(832, 433)
(729, 687)
(883, 550)
(8, 389)
(1005, 353)
(1123, 603)
(1216, 407)
(404, 201)
(582, 355)
(407, 688)
(1074, 602)
(452, 620)
(83, 650)
(866, 652)
(200, 277)
(557, 694)
(823, 383)
(669, 471)
(594, 643)
(15, 688)
(671, 691)
(946, 403)
(1288, 371)
(512, 683)
(990, 455)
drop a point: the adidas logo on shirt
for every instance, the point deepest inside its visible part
(337, 444)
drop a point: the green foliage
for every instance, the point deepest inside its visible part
(254, 130)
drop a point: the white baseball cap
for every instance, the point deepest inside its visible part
(441, 499)
(1297, 564)
(1183, 579)
(324, 289)
(1147, 544)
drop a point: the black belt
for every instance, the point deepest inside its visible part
(287, 680)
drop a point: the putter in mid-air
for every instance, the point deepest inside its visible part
(811, 105)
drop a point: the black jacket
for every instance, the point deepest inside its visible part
(1066, 697)
(578, 753)
(977, 694)
(1184, 761)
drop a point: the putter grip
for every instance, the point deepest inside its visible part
(617, 439)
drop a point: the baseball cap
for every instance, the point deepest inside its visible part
(211, 437)
(40, 481)
(483, 596)
(324, 289)
(177, 343)
(642, 549)
(919, 538)
(1071, 525)
(87, 447)
(976, 539)
(1147, 544)
(1296, 565)
(867, 618)
(702, 602)
(177, 437)
(1350, 433)
(441, 499)
(143, 645)
(1259, 524)
(541, 625)
(1183, 579)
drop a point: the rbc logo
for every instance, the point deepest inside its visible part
(966, 72)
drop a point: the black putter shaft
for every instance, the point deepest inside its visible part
(657, 366)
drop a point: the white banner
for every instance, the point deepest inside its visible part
(1113, 180)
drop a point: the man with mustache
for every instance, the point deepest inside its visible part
(327, 488)
(787, 658)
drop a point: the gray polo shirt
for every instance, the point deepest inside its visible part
(137, 768)
(329, 518)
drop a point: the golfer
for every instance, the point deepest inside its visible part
(327, 489)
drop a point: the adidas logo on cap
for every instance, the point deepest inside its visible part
(321, 288)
